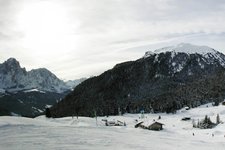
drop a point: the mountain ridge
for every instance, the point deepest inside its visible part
(15, 78)
(161, 82)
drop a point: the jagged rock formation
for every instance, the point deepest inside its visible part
(27, 93)
(15, 78)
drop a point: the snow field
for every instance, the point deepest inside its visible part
(84, 133)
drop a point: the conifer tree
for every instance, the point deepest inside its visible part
(217, 119)
(48, 113)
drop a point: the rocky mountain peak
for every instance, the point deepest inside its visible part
(15, 78)
(11, 64)
(12, 61)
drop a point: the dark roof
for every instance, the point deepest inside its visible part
(138, 124)
(157, 123)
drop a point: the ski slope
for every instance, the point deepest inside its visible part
(18, 133)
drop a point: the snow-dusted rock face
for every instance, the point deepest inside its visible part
(181, 53)
(11, 74)
(73, 83)
(15, 78)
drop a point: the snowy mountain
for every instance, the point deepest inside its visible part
(27, 93)
(206, 55)
(14, 78)
(163, 80)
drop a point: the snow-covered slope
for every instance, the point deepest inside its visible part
(14, 78)
(183, 48)
(187, 48)
(85, 133)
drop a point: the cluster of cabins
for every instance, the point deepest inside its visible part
(114, 123)
(156, 126)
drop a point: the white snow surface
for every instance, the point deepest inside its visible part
(84, 133)
(186, 48)
(33, 90)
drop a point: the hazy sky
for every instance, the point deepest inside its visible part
(80, 38)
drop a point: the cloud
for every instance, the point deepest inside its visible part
(97, 34)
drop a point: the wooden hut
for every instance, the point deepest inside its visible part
(154, 126)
